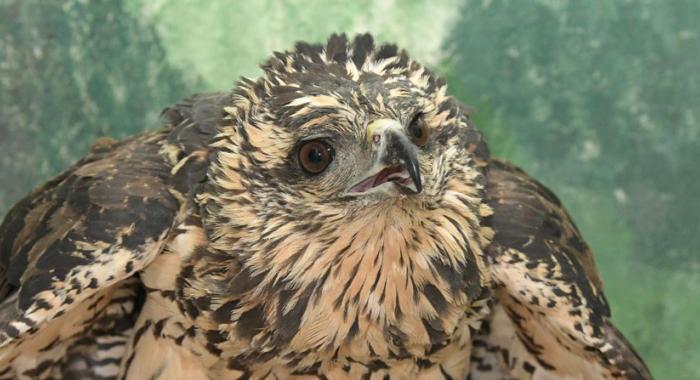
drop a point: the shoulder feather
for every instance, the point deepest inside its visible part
(548, 285)
(93, 225)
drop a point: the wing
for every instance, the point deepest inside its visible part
(550, 317)
(94, 225)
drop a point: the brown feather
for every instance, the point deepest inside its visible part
(204, 250)
(550, 315)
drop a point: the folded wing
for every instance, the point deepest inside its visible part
(550, 319)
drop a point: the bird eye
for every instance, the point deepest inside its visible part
(418, 130)
(315, 156)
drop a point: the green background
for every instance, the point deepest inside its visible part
(598, 99)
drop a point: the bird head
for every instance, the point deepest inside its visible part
(344, 128)
(341, 184)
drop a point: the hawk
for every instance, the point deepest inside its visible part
(339, 217)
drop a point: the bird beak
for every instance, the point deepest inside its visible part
(395, 159)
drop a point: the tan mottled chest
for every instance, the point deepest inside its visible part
(370, 301)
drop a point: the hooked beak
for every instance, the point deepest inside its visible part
(395, 159)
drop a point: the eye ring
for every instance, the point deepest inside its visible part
(315, 156)
(418, 130)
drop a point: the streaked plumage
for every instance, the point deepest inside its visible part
(211, 249)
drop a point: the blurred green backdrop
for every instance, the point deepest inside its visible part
(600, 100)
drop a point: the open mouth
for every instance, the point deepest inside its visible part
(396, 174)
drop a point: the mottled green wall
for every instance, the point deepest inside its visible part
(599, 99)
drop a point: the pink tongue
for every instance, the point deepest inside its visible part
(378, 179)
(381, 177)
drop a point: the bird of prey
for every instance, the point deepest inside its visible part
(338, 218)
